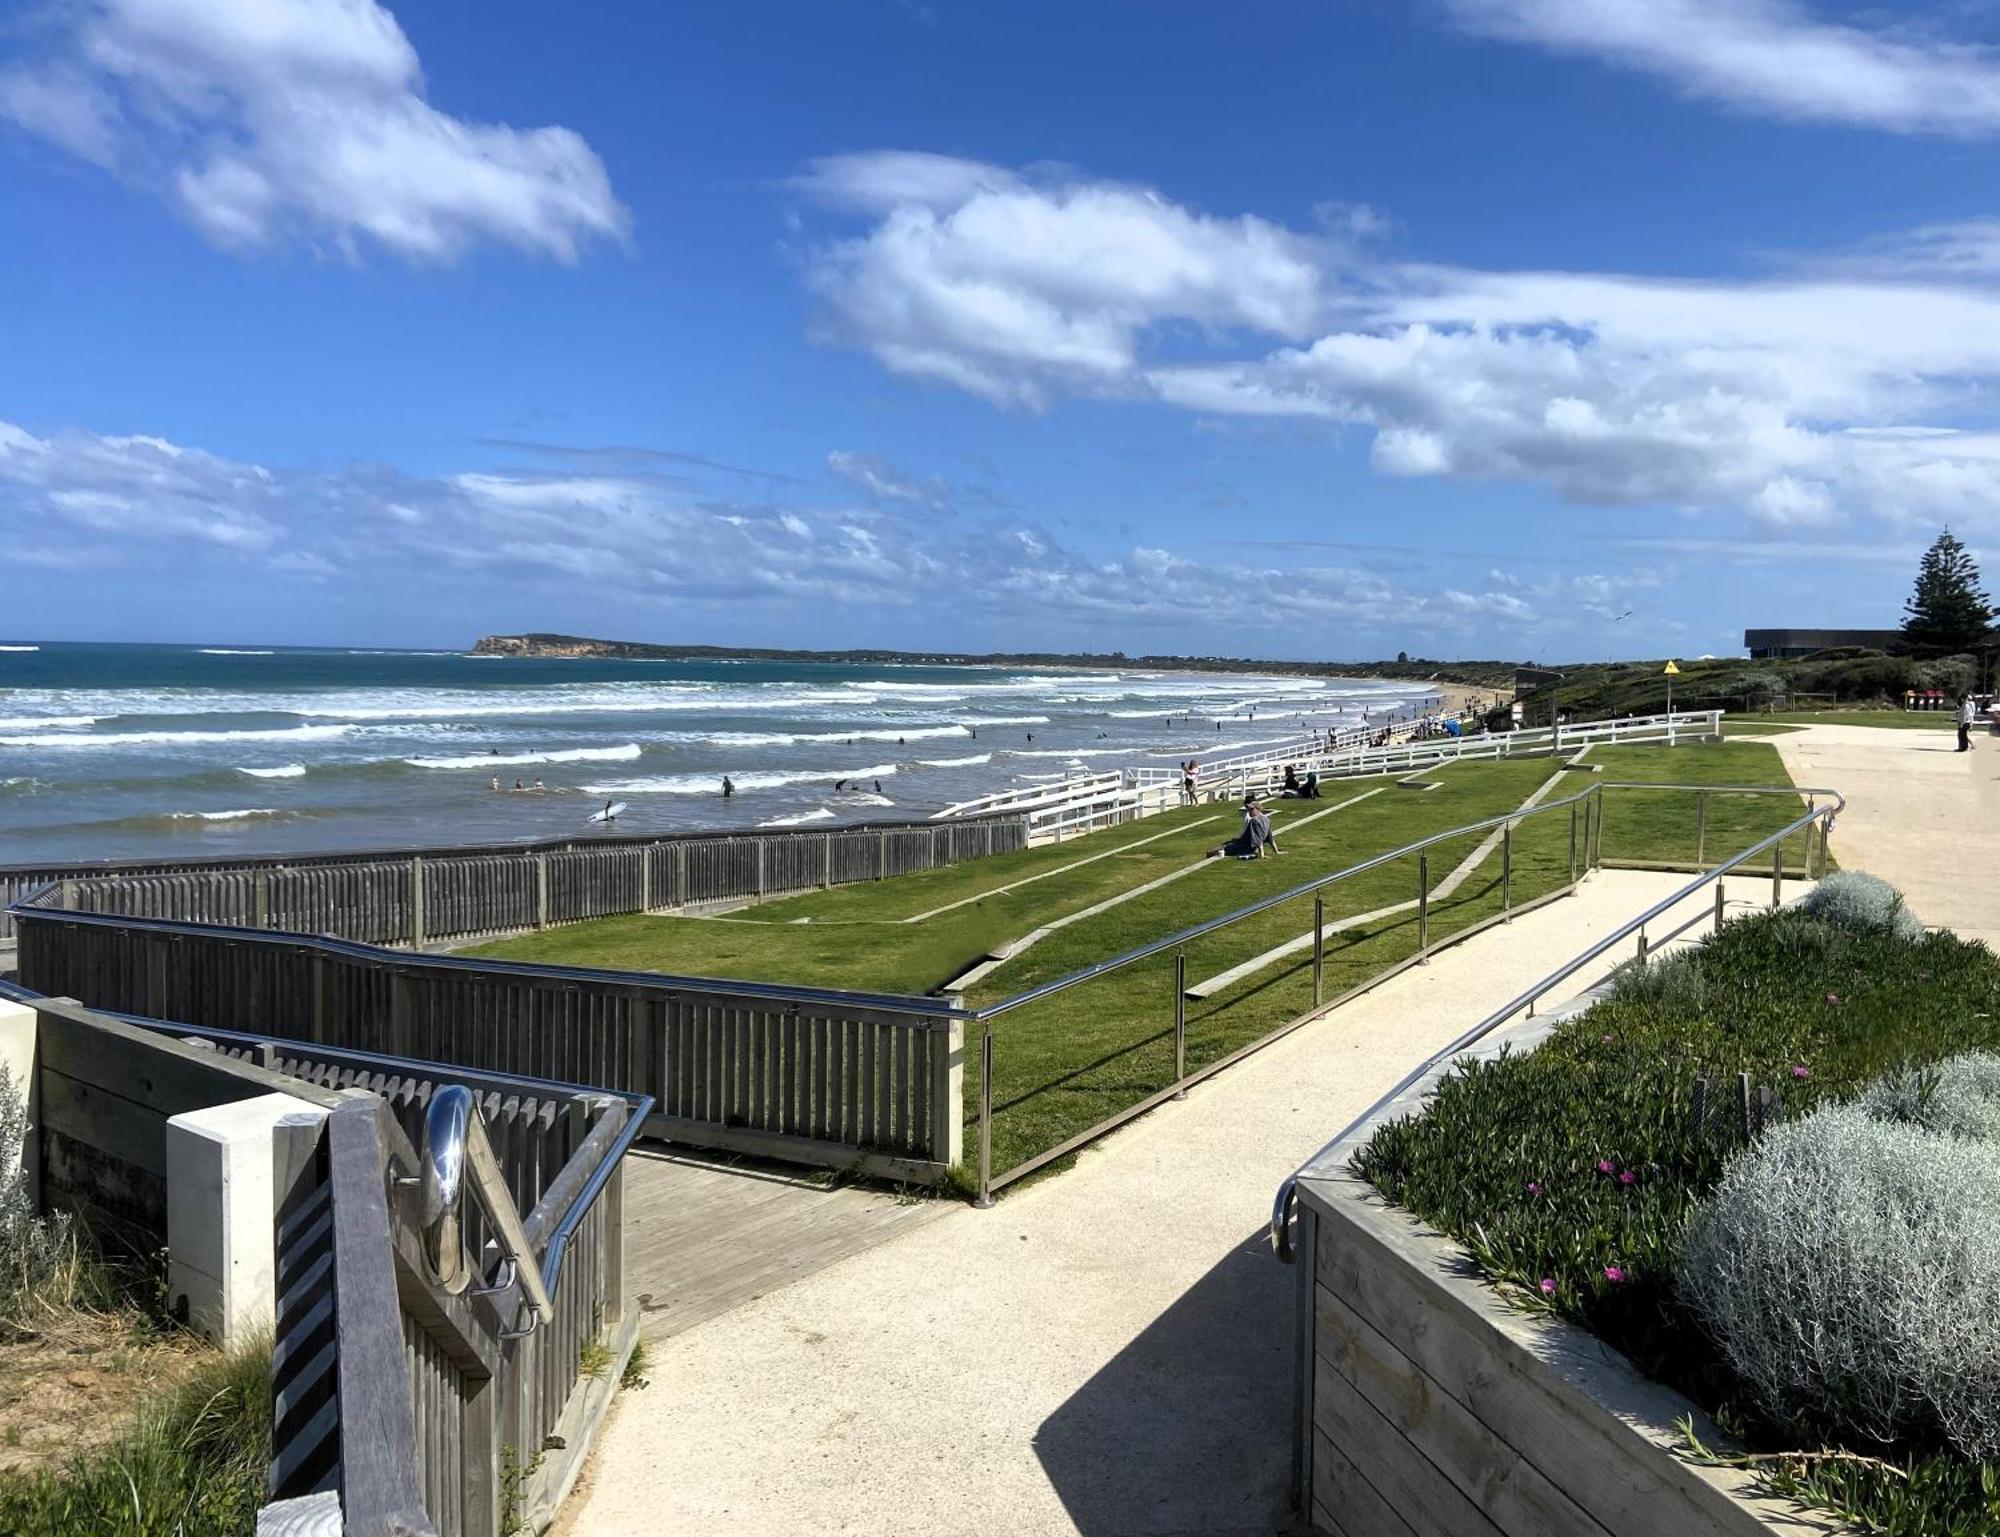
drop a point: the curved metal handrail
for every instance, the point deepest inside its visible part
(455, 1144)
(1286, 1199)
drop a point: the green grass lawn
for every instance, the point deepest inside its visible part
(1068, 1061)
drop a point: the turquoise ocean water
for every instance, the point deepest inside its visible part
(139, 751)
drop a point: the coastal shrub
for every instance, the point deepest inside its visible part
(1570, 1174)
(42, 1266)
(1960, 1096)
(1847, 1265)
(1854, 900)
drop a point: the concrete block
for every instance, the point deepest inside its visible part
(223, 1187)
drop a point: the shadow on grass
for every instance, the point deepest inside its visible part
(1187, 1429)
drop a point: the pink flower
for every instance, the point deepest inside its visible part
(1628, 1178)
(1833, 997)
(1802, 1071)
(1606, 1166)
(1534, 1187)
(1614, 1273)
(1548, 1286)
(1609, 1039)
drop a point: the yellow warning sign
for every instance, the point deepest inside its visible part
(1673, 671)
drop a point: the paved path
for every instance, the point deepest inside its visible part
(1920, 814)
(1106, 1353)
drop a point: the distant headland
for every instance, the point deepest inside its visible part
(544, 644)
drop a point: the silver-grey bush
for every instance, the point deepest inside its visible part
(1960, 1095)
(1854, 900)
(1849, 1267)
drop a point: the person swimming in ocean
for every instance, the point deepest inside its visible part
(878, 787)
(519, 786)
(728, 787)
(496, 781)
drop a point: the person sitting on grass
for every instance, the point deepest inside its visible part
(1267, 840)
(1292, 789)
(1251, 841)
(1310, 790)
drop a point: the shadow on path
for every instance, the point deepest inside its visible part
(1187, 1430)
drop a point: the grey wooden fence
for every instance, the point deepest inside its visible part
(858, 1081)
(414, 896)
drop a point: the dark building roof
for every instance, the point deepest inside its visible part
(1773, 643)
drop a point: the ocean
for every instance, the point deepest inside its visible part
(122, 751)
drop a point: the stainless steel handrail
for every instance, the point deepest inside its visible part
(1286, 1198)
(455, 1143)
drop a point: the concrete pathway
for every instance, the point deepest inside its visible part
(1920, 814)
(1106, 1352)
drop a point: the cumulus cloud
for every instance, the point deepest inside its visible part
(1795, 400)
(1018, 289)
(78, 501)
(268, 122)
(1768, 57)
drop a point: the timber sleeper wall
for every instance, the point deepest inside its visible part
(416, 896)
(853, 1081)
(1428, 1407)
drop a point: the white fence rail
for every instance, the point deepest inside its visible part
(1087, 802)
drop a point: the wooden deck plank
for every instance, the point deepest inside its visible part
(706, 1235)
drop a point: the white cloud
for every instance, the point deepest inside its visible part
(79, 501)
(268, 122)
(1015, 291)
(883, 482)
(1795, 401)
(1769, 57)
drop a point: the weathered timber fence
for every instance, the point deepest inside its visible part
(417, 896)
(870, 1082)
(404, 1401)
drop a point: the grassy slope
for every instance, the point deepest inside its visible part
(1893, 720)
(1067, 1062)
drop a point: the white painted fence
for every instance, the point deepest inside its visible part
(1106, 798)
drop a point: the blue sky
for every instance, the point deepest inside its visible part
(1293, 329)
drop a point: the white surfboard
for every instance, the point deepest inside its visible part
(608, 813)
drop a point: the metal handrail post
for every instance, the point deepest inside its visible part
(1777, 874)
(1572, 843)
(1642, 949)
(1319, 949)
(984, 1199)
(1701, 827)
(1600, 827)
(1424, 909)
(1507, 871)
(1180, 1021)
(1718, 905)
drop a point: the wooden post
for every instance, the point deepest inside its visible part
(541, 889)
(260, 900)
(760, 869)
(948, 1093)
(646, 877)
(416, 903)
(881, 855)
(826, 861)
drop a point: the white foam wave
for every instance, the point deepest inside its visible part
(754, 779)
(1067, 752)
(1008, 720)
(20, 648)
(232, 651)
(978, 757)
(224, 816)
(45, 722)
(623, 754)
(179, 738)
(818, 814)
(284, 771)
(866, 798)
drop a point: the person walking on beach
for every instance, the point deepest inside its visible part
(1965, 718)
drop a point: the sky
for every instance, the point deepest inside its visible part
(1550, 329)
